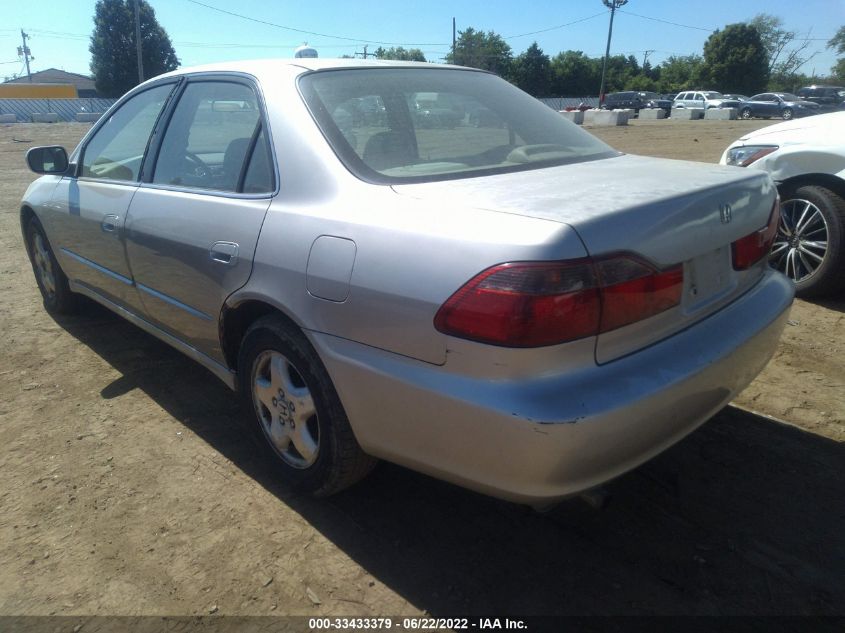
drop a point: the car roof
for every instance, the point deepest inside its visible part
(262, 67)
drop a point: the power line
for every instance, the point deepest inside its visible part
(553, 28)
(686, 26)
(290, 28)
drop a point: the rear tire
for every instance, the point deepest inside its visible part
(294, 411)
(786, 114)
(52, 281)
(810, 244)
(745, 113)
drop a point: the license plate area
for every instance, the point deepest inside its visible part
(707, 278)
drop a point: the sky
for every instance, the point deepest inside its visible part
(202, 31)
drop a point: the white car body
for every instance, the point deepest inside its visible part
(815, 145)
(806, 159)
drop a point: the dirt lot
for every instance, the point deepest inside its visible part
(128, 490)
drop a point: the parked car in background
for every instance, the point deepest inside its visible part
(828, 97)
(777, 104)
(806, 159)
(635, 101)
(735, 97)
(703, 99)
(521, 309)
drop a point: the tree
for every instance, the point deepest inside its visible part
(785, 51)
(574, 74)
(735, 60)
(531, 71)
(114, 60)
(477, 49)
(681, 72)
(837, 42)
(400, 54)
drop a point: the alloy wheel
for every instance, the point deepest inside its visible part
(43, 264)
(801, 242)
(286, 409)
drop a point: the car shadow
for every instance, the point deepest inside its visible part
(831, 303)
(743, 517)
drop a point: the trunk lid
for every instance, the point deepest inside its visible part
(665, 211)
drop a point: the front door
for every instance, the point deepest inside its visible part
(89, 211)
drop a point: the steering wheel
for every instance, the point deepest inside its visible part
(200, 167)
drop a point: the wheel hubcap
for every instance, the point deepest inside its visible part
(43, 264)
(801, 243)
(286, 409)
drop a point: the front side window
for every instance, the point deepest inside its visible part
(209, 136)
(418, 124)
(117, 148)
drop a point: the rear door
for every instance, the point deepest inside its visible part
(193, 225)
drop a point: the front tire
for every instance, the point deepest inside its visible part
(52, 281)
(294, 411)
(809, 245)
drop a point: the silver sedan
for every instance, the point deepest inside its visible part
(504, 302)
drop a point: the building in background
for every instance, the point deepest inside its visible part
(83, 84)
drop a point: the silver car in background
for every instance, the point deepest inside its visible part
(503, 302)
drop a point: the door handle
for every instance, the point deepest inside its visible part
(224, 253)
(110, 223)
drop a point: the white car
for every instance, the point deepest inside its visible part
(806, 158)
(703, 100)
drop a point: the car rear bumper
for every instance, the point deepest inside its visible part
(541, 439)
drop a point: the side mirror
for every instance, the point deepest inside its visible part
(47, 160)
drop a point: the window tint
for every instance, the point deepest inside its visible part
(699, 96)
(117, 148)
(208, 136)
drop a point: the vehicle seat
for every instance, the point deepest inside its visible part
(388, 149)
(233, 160)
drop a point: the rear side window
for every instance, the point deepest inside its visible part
(208, 137)
(259, 173)
(117, 148)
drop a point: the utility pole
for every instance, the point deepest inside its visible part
(613, 5)
(645, 55)
(24, 51)
(138, 41)
(365, 54)
(453, 41)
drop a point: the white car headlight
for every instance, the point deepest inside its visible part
(745, 155)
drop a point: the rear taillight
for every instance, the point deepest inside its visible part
(633, 291)
(749, 250)
(546, 303)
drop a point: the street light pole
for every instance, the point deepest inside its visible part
(613, 5)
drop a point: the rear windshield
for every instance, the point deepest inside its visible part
(397, 125)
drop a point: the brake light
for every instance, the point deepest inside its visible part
(633, 291)
(750, 249)
(533, 304)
